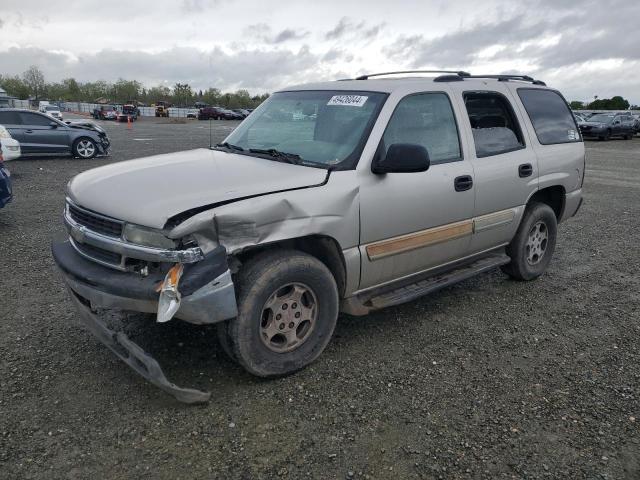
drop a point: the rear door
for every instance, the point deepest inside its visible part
(505, 166)
(11, 121)
(41, 137)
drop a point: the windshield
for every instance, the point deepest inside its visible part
(52, 108)
(602, 118)
(321, 127)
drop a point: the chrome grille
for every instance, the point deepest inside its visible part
(95, 222)
(95, 253)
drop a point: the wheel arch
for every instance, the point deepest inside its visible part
(324, 248)
(554, 196)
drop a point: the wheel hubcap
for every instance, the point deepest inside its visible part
(537, 241)
(86, 148)
(288, 317)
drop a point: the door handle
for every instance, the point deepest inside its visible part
(28, 131)
(525, 170)
(462, 183)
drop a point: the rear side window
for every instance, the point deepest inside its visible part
(35, 119)
(550, 116)
(425, 119)
(9, 118)
(493, 123)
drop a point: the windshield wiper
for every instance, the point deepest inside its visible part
(230, 146)
(285, 156)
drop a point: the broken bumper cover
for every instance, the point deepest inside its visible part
(134, 356)
(208, 293)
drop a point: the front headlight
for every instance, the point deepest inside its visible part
(147, 237)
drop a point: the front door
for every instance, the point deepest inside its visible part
(410, 222)
(40, 137)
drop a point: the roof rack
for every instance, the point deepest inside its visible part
(500, 78)
(459, 73)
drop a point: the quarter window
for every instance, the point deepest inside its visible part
(425, 119)
(493, 123)
(550, 116)
(10, 118)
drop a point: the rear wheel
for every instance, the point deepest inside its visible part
(533, 246)
(85, 148)
(287, 311)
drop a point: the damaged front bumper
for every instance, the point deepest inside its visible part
(134, 356)
(207, 295)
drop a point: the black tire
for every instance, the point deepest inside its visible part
(84, 148)
(606, 136)
(524, 265)
(224, 340)
(260, 280)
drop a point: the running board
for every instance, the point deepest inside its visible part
(436, 282)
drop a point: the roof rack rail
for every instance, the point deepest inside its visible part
(506, 78)
(500, 78)
(459, 73)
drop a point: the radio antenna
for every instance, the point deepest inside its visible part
(210, 135)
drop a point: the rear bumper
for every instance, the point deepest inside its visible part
(208, 292)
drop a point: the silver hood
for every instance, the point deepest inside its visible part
(148, 191)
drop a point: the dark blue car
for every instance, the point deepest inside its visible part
(5, 184)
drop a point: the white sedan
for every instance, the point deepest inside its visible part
(53, 111)
(10, 147)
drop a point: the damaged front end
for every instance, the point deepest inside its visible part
(105, 270)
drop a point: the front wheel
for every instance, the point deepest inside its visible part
(533, 246)
(287, 311)
(85, 148)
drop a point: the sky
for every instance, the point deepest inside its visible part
(584, 48)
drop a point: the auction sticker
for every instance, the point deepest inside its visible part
(348, 100)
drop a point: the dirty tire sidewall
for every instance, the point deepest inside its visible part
(222, 330)
(257, 281)
(519, 268)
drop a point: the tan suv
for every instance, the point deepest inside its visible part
(339, 196)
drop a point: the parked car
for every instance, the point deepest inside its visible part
(105, 112)
(604, 126)
(41, 134)
(53, 111)
(128, 112)
(397, 187)
(636, 123)
(217, 113)
(242, 112)
(10, 146)
(193, 112)
(6, 192)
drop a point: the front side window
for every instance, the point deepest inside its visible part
(493, 123)
(425, 119)
(550, 116)
(324, 128)
(35, 119)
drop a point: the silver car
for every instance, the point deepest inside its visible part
(341, 196)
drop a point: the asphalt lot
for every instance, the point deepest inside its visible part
(488, 379)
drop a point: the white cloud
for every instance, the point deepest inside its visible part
(264, 45)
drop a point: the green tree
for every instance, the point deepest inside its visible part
(576, 105)
(211, 96)
(158, 94)
(15, 87)
(34, 79)
(182, 94)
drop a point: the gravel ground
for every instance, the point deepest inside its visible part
(488, 379)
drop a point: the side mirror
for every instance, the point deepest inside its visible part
(402, 158)
(53, 124)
